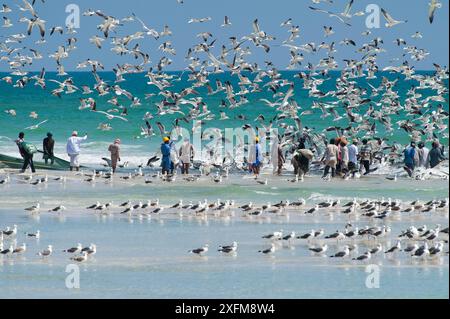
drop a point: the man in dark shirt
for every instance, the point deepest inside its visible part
(27, 158)
(47, 145)
(435, 156)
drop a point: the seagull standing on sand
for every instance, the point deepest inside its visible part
(376, 250)
(94, 206)
(21, 249)
(320, 249)
(268, 250)
(83, 257)
(6, 180)
(395, 248)
(365, 256)
(274, 235)
(437, 249)
(343, 253)
(319, 233)
(421, 252)
(228, 249)
(10, 232)
(7, 251)
(411, 249)
(312, 210)
(36, 235)
(92, 250)
(46, 252)
(264, 182)
(338, 235)
(74, 250)
(307, 235)
(59, 208)
(34, 208)
(289, 236)
(200, 251)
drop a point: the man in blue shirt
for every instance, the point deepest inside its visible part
(410, 153)
(258, 157)
(166, 163)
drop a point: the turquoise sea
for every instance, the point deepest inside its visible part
(63, 115)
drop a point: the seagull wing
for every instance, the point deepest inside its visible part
(431, 10)
(348, 7)
(143, 24)
(256, 26)
(41, 123)
(161, 127)
(101, 112)
(289, 93)
(339, 18)
(120, 118)
(320, 10)
(41, 26)
(298, 123)
(387, 16)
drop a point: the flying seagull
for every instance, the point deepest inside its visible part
(331, 15)
(36, 126)
(434, 4)
(111, 116)
(226, 22)
(390, 22)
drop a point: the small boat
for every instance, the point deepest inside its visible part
(14, 162)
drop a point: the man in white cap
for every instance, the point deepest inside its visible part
(73, 149)
(186, 154)
(114, 149)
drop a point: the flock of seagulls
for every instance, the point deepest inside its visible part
(417, 240)
(368, 235)
(355, 108)
(413, 236)
(384, 209)
(422, 242)
(8, 237)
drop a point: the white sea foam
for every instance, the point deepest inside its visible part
(266, 193)
(92, 153)
(324, 197)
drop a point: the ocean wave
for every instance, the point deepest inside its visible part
(325, 197)
(266, 193)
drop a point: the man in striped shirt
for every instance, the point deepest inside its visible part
(365, 155)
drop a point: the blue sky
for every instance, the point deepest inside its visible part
(157, 13)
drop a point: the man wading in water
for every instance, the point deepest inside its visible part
(114, 149)
(48, 145)
(26, 151)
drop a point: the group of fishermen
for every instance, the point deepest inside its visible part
(73, 149)
(27, 151)
(341, 157)
(418, 155)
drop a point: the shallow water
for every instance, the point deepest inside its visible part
(147, 258)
